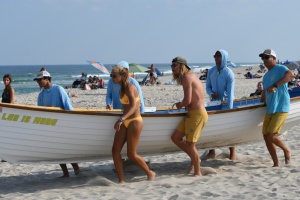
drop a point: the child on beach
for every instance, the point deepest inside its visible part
(8, 95)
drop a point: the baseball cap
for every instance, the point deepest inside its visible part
(268, 52)
(181, 60)
(42, 74)
(124, 64)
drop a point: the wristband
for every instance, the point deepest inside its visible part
(121, 119)
(275, 85)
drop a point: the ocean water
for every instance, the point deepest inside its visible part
(64, 75)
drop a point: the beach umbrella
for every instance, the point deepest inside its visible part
(291, 65)
(99, 66)
(137, 68)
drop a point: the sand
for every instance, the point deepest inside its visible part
(251, 176)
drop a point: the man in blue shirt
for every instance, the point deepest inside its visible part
(220, 86)
(56, 96)
(113, 92)
(277, 99)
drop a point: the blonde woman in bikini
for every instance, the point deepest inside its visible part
(129, 126)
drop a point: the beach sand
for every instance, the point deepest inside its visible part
(251, 176)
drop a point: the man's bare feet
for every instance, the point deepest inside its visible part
(287, 157)
(64, 176)
(76, 171)
(211, 155)
(232, 155)
(198, 174)
(190, 169)
(151, 175)
(277, 165)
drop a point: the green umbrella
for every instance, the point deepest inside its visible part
(137, 68)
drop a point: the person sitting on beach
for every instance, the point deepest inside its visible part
(249, 75)
(54, 96)
(8, 95)
(80, 81)
(220, 86)
(192, 125)
(259, 89)
(153, 75)
(100, 83)
(262, 69)
(204, 75)
(129, 126)
(113, 95)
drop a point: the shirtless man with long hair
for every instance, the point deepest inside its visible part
(193, 124)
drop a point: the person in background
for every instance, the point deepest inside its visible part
(192, 125)
(54, 96)
(8, 95)
(220, 86)
(249, 75)
(101, 83)
(129, 126)
(153, 75)
(204, 75)
(113, 92)
(259, 89)
(277, 99)
(80, 81)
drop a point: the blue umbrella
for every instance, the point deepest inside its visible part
(291, 65)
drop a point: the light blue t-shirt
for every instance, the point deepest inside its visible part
(113, 94)
(278, 101)
(55, 96)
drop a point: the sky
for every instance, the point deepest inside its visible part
(36, 32)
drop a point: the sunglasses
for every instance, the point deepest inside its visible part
(218, 55)
(113, 75)
(266, 57)
(174, 65)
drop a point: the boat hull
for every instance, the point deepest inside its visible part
(49, 135)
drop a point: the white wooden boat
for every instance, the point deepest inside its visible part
(51, 135)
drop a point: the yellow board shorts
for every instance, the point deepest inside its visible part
(193, 124)
(274, 122)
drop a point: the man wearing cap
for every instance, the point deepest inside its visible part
(220, 86)
(277, 99)
(192, 125)
(113, 91)
(56, 96)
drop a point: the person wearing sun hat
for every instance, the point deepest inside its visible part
(113, 94)
(277, 99)
(192, 125)
(54, 95)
